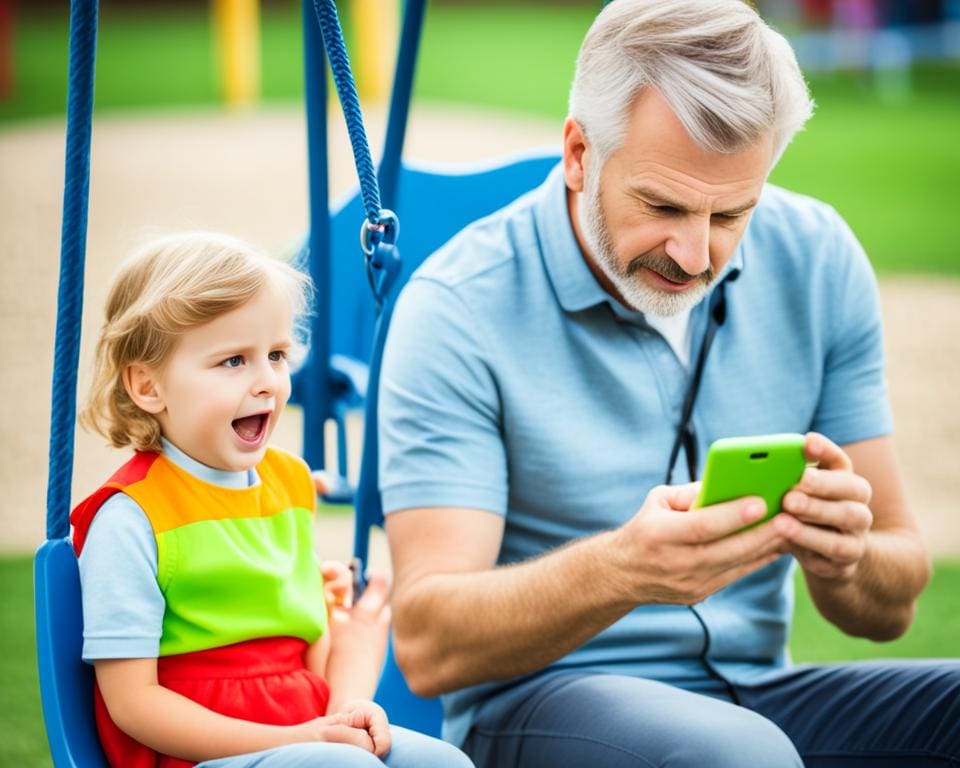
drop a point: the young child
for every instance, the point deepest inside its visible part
(205, 613)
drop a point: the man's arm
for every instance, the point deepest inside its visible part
(458, 620)
(856, 539)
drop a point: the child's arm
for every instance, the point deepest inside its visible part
(337, 592)
(174, 725)
(357, 644)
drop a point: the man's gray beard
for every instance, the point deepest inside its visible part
(639, 294)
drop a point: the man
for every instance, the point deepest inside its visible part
(572, 610)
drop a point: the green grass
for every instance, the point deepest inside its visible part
(23, 742)
(933, 635)
(890, 167)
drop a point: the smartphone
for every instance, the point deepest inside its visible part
(765, 465)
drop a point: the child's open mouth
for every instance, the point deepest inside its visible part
(251, 428)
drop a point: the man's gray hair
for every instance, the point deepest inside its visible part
(725, 73)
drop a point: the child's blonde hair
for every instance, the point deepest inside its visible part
(169, 287)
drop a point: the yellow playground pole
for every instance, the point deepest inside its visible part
(376, 27)
(237, 29)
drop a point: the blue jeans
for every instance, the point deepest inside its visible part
(410, 750)
(881, 715)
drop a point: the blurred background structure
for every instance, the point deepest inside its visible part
(199, 124)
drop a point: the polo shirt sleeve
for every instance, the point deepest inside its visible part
(853, 403)
(439, 430)
(122, 603)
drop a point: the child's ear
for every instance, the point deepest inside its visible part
(141, 382)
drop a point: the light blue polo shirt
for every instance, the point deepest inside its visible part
(513, 383)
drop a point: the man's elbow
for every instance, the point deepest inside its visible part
(897, 617)
(900, 618)
(896, 625)
(419, 662)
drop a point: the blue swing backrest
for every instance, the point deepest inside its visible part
(433, 205)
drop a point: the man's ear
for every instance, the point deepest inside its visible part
(574, 147)
(142, 384)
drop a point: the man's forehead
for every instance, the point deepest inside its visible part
(658, 182)
(657, 143)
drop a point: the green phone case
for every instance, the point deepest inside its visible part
(764, 465)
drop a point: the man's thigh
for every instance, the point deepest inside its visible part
(878, 714)
(613, 721)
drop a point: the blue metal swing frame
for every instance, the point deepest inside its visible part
(343, 367)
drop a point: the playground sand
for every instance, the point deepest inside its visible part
(245, 173)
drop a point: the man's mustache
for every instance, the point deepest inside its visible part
(668, 268)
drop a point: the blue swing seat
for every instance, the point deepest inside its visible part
(66, 682)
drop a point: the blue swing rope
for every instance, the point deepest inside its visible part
(380, 224)
(73, 243)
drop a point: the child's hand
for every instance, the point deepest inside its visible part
(322, 481)
(363, 626)
(369, 717)
(337, 584)
(358, 642)
(362, 724)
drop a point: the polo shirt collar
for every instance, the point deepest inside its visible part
(575, 285)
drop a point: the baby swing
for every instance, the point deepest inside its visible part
(346, 342)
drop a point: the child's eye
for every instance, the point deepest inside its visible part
(277, 356)
(233, 362)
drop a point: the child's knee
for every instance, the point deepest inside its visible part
(414, 750)
(319, 755)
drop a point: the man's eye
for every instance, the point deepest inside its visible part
(666, 210)
(277, 355)
(233, 362)
(726, 217)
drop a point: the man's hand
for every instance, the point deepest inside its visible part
(827, 516)
(676, 555)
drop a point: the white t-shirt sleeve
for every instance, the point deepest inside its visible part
(122, 603)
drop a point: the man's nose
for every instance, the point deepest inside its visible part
(689, 244)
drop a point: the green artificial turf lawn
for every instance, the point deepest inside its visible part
(890, 167)
(23, 742)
